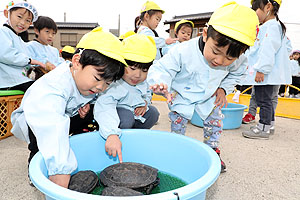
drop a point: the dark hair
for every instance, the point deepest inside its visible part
(235, 48)
(150, 13)
(187, 24)
(16, 8)
(142, 66)
(137, 23)
(262, 3)
(44, 22)
(108, 68)
(66, 55)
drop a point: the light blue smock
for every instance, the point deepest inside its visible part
(160, 42)
(44, 53)
(295, 68)
(14, 56)
(165, 49)
(46, 108)
(185, 70)
(119, 95)
(270, 56)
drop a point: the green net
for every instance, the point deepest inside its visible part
(167, 182)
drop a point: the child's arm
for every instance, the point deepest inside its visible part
(10, 55)
(268, 47)
(237, 72)
(159, 41)
(105, 113)
(50, 126)
(162, 72)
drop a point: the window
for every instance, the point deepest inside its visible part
(69, 39)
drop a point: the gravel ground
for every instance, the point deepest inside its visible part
(257, 169)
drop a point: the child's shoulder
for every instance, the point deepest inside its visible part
(143, 29)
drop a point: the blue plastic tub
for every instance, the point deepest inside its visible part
(184, 157)
(233, 116)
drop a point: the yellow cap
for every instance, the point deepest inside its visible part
(139, 48)
(103, 42)
(126, 35)
(68, 49)
(278, 1)
(236, 21)
(183, 21)
(150, 5)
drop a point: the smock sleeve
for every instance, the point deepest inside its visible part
(269, 46)
(45, 115)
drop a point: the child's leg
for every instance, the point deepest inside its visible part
(274, 103)
(253, 104)
(23, 87)
(264, 101)
(213, 127)
(32, 146)
(126, 118)
(151, 117)
(178, 123)
(79, 125)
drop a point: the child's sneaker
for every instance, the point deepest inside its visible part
(223, 166)
(248, 119)
(256, 133)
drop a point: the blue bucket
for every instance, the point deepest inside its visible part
(233, 116)
(186, 158)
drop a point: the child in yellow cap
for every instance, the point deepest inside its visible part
(196, 75)
(14, 56)
(67, 52)
(269, 66)
(151, 15)
(183, 31)
(127, 104)
(64, 93)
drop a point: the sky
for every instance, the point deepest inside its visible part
(106, 12)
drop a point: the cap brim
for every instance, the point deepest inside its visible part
(234, 34)
(114, 56)
(138, 58)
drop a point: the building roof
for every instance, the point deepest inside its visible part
(189, 17)
(76, 25)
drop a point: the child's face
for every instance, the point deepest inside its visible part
(20, 19)
(134, 75)
(87, 79)
(296, 56)
(45, 36)
(184, 33)
(153, 21)
(214, 55)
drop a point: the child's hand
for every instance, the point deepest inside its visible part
(84, 110)
(113, 146)
(171, 40)
(140, 110)
(259, 77)
(220, 98)
(161, 89)
(36, 62)
(61, 179)
(50, 66)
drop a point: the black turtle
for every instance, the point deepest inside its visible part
(84, 181)
(119, 191)
(132, 175)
